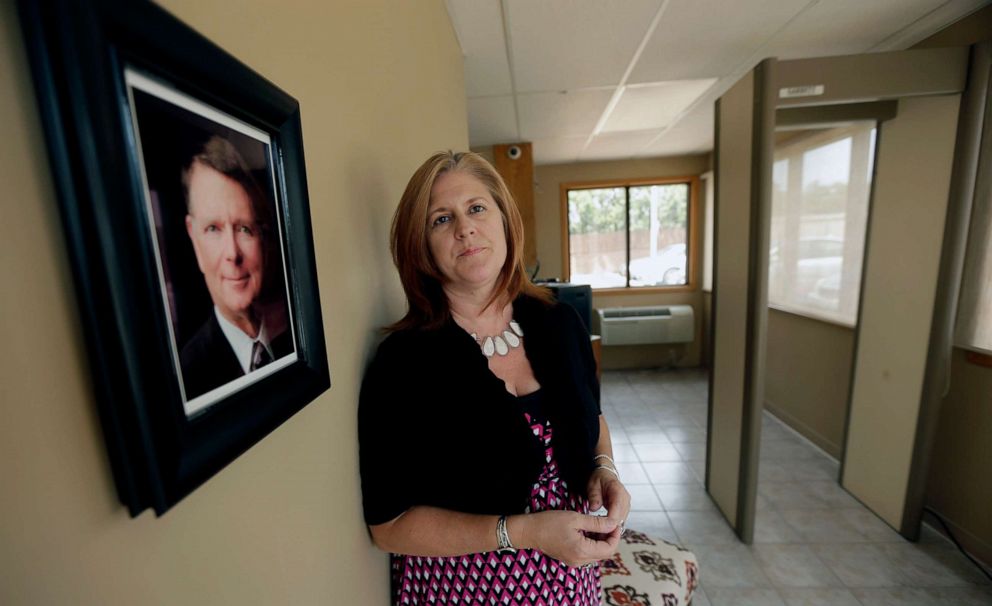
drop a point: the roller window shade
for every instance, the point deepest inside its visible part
(821, 185)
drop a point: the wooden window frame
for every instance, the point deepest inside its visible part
(693, 234)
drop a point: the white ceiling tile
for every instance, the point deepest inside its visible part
(491, 120)
(479, 26)
(654, 105)
(564, 44)
(559, 150)
(617, 145)
(709, 38)
(561, 114)
(937, 19)
(578, 45)
(843, 27)
(692, 134)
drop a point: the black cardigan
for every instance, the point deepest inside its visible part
(436, 427)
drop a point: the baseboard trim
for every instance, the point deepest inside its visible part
(831, 448)
(974, 545)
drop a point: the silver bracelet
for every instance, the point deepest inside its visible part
(609, 469)
(503, 537)
(605, 456)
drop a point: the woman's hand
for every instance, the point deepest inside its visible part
(567, 535)
(606, 490)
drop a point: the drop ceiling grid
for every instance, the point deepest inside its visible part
(744, 64)
(560, 150)
(565, 45)
(692, 134)
(940, 17)
(709, 38)
(568, 55)
(561, 114)
(617, 145)
(654, 105)
(480, 34)
(492, 120)
(846, 27)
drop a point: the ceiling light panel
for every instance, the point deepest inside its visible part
(654, 105)
(491, 120)
(710, 38)
(479, 27)
(564, 45)
(561, 114)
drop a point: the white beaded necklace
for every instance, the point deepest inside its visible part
(501, 344)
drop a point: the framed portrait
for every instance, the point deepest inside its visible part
(182, 187)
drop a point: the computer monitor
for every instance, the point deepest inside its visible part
(578, 296)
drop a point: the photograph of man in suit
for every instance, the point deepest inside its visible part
(229, 226)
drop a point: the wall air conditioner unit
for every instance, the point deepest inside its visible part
(646, 325)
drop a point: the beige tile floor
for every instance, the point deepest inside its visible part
(814, 543)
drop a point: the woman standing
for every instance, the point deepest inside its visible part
(483, 449)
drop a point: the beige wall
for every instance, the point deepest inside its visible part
(808, 375)
(547, 213)
(959, 485)
(380, 84)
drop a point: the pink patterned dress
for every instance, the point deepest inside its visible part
(527, 577)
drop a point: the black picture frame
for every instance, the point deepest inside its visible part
(159, 449)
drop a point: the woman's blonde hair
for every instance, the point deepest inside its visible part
(419, 274)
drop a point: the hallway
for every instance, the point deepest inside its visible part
(814, 543)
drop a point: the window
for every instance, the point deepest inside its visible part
(821, 183)
(629, 234)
